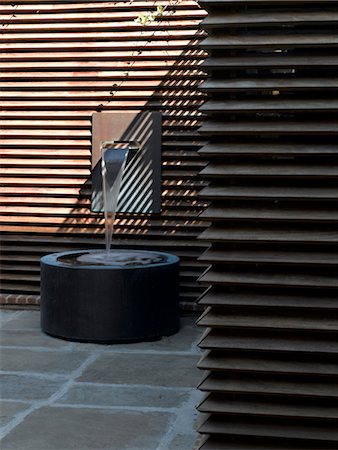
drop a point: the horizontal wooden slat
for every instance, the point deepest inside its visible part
(270, 62)
(269, 41)
(271, 213)
(280, 127)
(217, 106)
(268, 192)
(257, 407)
(263, 256)
(268, 279)
(274, 169)
(264, 320)
(279, 149)
(279, 84)
(62, 61)
(269, 18)
(269, 235)
(269, 300)
(269, 364)
(270, 342)
(289, 430)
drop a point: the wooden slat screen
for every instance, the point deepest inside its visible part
(61, 61)
(270, 344)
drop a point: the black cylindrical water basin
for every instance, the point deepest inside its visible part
(132, 296)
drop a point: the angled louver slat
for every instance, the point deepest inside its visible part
(271, 339)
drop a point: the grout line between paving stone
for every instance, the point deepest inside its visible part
(116, 408)
(101, 350)
(127, 385)
(14, 400)
(182, 419)
(40, 375)
(182, 422)
(19, 418)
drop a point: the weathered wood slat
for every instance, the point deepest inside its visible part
(288, 3)
(290, 321)
(280, 127)
(270, 213)
(256, 407)
(284, 279)
(269, 300)
(280, 385)
(274, 149)
(270, 428)
(268, 192)
(270, 364)
(263, 256)
(279, 84)
(219, 19)
(270, 234)
(270, 62)
(270, 342)
(238, 106)
(268, 40)
(63, 60)
(252, 443)
(274, 169)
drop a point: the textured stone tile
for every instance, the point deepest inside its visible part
(7, 314)
(181, 341)
(184, 340)
(149, 369)
(82, 393)
(27, 360)
(87, 429)
(19, 387)
(29, 338)
(26, 320)
(183, 441)
(8, 410)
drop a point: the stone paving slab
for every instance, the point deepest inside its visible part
(144, 396)
(21, 320)
(147, 369)
(60, 395)
(87, 429)
(182, 442)
(8, 410)
(29, 338)
(28, 360)
(7, 314)
(23, 387)
(184, 341)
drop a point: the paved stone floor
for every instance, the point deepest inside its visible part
(59, 395)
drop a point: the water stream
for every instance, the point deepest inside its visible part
(114, 159)
(113, 163)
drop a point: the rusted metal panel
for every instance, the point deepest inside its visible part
(140, 190)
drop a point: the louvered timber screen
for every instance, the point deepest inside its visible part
(61, 61)
(270, 359)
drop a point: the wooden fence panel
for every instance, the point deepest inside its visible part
(271, 322)
(62, 61)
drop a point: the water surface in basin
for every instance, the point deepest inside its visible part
(112, 258)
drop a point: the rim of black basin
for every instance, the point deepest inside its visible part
(53, 259)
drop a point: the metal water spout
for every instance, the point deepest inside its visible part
(115, 157)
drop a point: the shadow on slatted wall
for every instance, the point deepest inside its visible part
(48, 131)
(176, 227)
(178, 219)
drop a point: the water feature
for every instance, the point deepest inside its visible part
(115, 157)
(110, 295)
